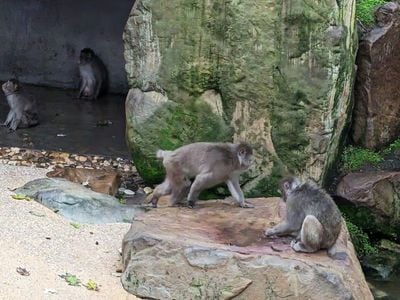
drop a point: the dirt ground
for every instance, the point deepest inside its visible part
(46, 245)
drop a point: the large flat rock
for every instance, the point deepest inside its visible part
(218, 251)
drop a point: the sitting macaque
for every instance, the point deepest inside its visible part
(209, 164)
(312, 216)
(93, 75)
(23, 107)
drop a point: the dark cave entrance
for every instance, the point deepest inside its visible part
(41, 41)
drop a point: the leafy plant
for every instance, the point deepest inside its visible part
(392, 147)
(360, 240)
(365, 10)
(354, 158)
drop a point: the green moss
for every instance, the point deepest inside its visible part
(171, 127)
(365, 10)
(354, 158)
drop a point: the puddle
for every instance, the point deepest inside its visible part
(71, 125)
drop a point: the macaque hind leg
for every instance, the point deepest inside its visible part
(160, 190)
(311, 235)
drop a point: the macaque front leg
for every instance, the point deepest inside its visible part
(83, 86)
(236, 192)
(160, 190)
(9, 118)
(97, 92)
(201, 182)
(284, 228)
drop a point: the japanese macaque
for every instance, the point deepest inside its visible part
(312, 216)
(23, 107)
(209, 164)
(93, 75)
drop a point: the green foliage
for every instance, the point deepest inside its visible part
(354, 158)
(75, 225)
(392, 147)
(360, 239)
(365, 10)
(92, 285)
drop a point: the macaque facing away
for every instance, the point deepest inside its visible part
(312, 216)
(93, 75)
(209, 164)
(23, 107)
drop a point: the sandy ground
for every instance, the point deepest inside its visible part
(35, 238)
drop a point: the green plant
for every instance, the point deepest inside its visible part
(354, 158)
(365, 10)
(360, 240)
(392, 147)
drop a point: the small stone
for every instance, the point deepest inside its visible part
(106, 163)
(148, 190)
(82, 158)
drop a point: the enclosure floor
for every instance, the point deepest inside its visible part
(71, 125)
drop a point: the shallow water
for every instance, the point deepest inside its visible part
(71, 125)
(391, 288)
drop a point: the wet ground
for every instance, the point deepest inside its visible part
(71, 125)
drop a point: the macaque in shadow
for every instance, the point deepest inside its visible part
(23, 107)
(312, 217)
(93, 75)
(209, 164)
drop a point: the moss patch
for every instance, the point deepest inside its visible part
(170, 127)
(354, 158)
(365, 10)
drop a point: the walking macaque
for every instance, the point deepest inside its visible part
(93, 75)
(209, 164)
(23, 107)
(312, 216)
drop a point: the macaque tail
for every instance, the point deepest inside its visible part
(161, 154)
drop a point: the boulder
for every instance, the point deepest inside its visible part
(77, 203)
(376, 116)
(276, 75)
(219, 251)
(377, 191)
(101, 181)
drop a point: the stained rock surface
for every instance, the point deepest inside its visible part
(76, 202)
(278, 74)
(376, 120)
(218, 251)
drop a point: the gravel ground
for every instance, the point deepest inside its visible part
(46, 245)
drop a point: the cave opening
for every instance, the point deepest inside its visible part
(41, 41)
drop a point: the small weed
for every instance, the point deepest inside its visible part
(71, 279)
(75, 225)
(92, 285)
(354, 158)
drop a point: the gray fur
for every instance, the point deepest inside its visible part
(209, 164)
(93, 75)
(23, 107)
(312, 216)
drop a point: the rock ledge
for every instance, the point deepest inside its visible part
(218, 251)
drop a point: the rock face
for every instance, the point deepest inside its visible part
(378, 191)
(376, 120)
(218, 251)
(276, 74)
(77, 203)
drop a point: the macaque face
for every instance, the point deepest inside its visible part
(244, 154)
(85, 56)
(10, 86)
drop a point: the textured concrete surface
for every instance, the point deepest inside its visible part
(41, 40)
(35, 238)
